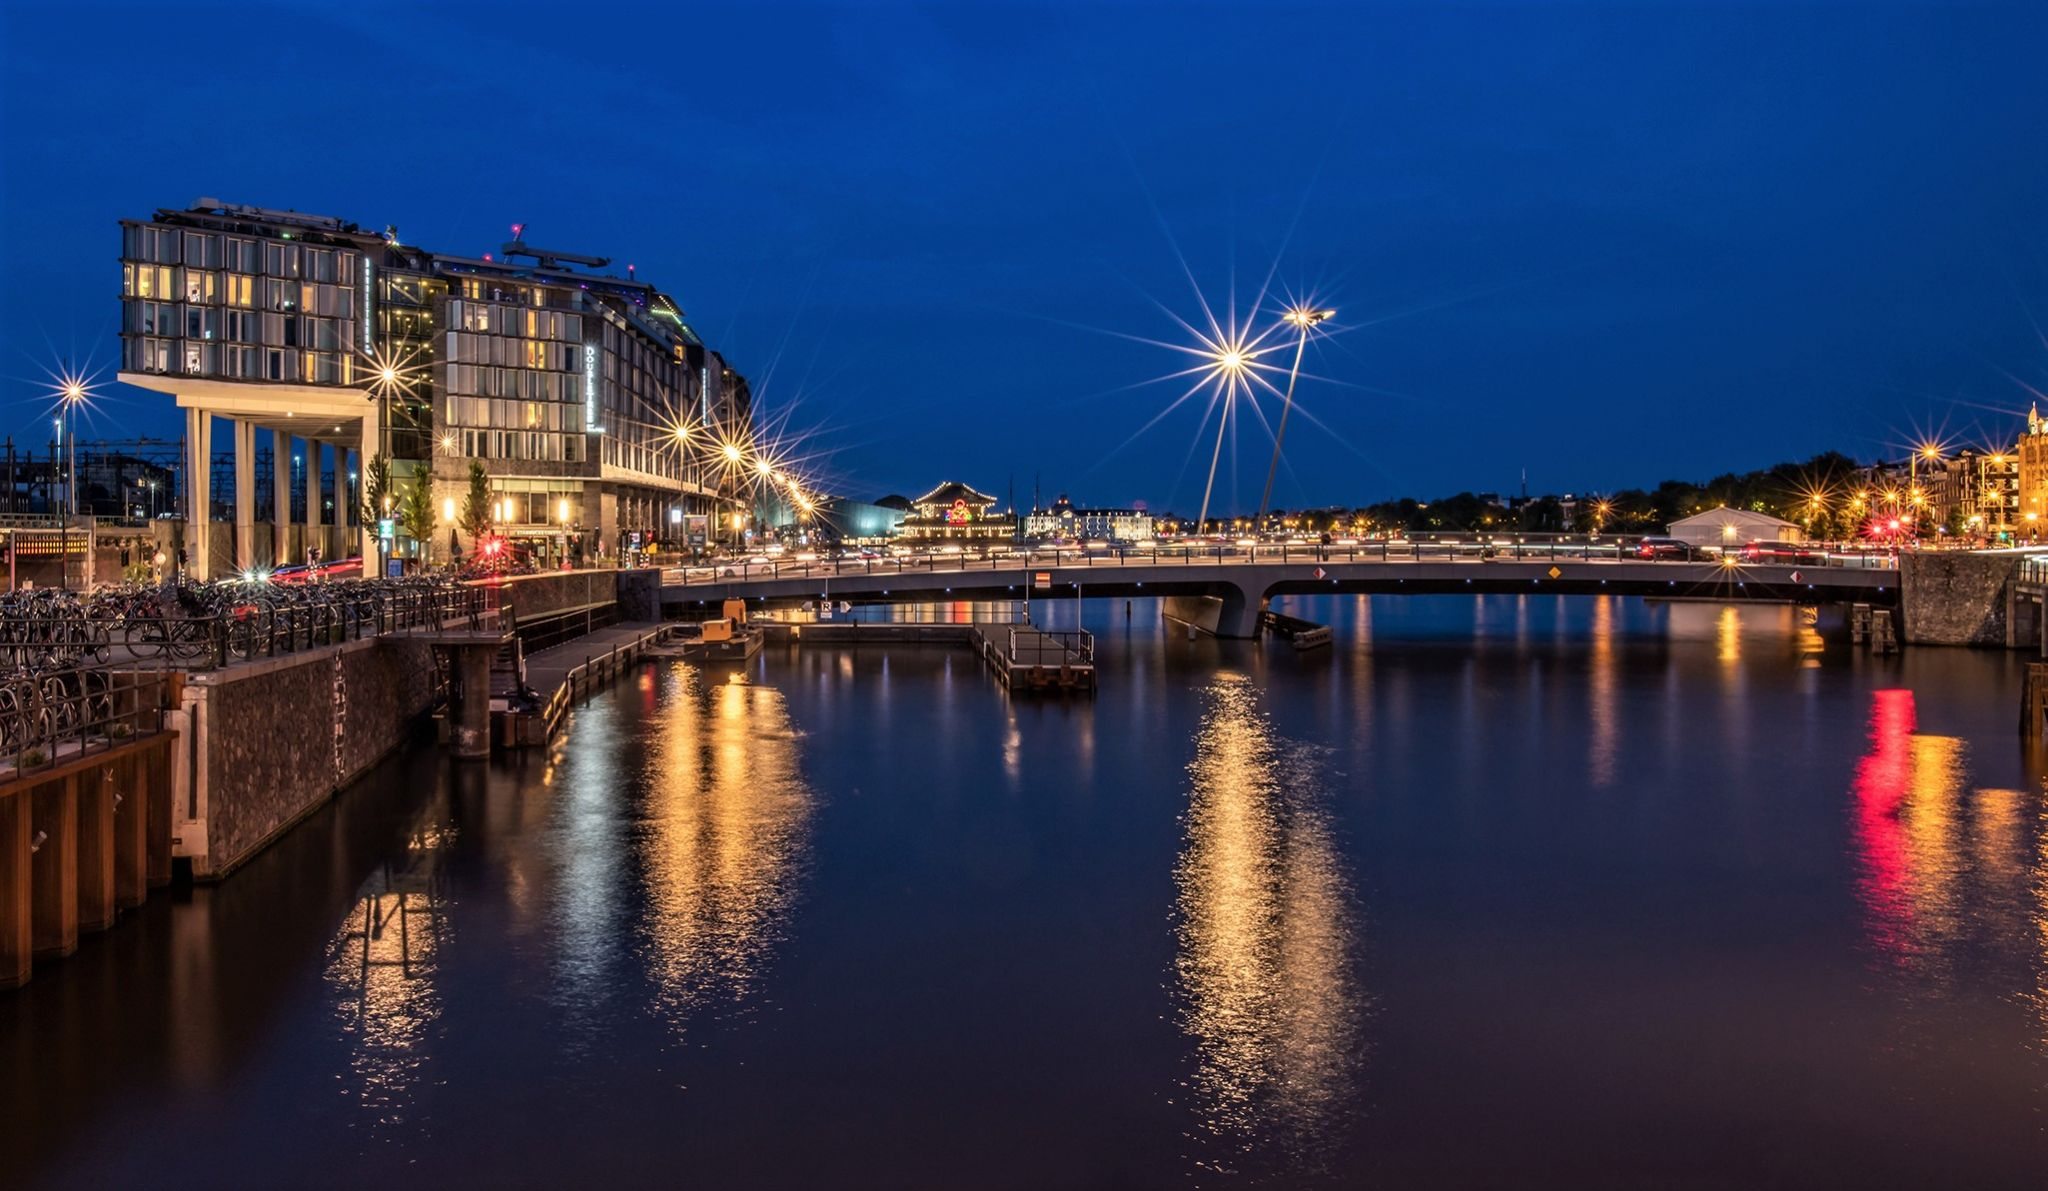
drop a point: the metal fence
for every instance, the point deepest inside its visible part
(148, 630)
(1065, 647)
(49, 717)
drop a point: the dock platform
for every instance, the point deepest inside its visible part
(1029, 658)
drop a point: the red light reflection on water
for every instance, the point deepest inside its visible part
(1883, 779)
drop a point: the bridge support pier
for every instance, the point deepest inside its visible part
(96, 848)
(1230, 614)
(469, 699)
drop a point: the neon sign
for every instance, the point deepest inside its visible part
(959, 514)
(590, 386)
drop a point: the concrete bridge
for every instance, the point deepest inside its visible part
(1223, 594)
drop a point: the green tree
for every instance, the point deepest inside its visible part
(476, 503)
(416, 513)
(376, 489)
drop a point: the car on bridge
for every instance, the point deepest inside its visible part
(1665, 548)
(1784, 554)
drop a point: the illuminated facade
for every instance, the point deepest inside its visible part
(1064, 520)
(2033, 473)
(953, 510)
(1976, 492)
(568, 385)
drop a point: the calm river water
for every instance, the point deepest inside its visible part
(1507, 892)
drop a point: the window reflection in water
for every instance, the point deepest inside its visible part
(726, 841)
(381, 970)
(1266, 942)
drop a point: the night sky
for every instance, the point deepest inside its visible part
(1604, 243)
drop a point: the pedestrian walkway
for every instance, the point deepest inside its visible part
(563, 673)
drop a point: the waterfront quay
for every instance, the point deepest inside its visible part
(184, 731)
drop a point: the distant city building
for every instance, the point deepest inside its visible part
(567, 384)
(1063, 519)
(953, 510)
(2033, 469)
(1976, 491)
(1733, 527)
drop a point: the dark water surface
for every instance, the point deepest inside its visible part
(1513, 892)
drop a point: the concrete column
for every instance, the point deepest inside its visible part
(347, 461)
(314, 515)
(472, 735)
(281, 498)
(245, 493)
(199, 492)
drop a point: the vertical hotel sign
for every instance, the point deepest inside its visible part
(590, 386)
(369, 311)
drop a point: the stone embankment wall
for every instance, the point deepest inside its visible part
(276, 738)
(1957, 598)
(272, 740)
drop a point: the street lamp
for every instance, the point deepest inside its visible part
(1303, 319)
(1227, 366)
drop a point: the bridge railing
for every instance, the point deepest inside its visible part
(1398, 551)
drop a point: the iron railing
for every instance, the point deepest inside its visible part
(56, 715)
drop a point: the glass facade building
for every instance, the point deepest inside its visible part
(568, 384)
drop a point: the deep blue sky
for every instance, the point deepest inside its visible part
(1606, 243)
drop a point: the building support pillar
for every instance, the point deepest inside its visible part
(315, 536)
(471, 707)
(199, 493)
(245, 493)
(372, 446)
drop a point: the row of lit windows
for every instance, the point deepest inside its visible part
(512, 353)
(525, 384)
(513, 415)
(236, 326)
(236, 362)
(504, 320)
(213, 250)
(530, 445)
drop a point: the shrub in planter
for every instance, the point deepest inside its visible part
(30, 758)
(120, 730)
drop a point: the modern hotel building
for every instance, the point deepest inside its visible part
(593, 406)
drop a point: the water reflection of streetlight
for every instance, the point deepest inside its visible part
(1266, 938)
(730, 819)
(382, 967)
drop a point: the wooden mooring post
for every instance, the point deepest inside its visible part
(2034, 700)
(79, 842)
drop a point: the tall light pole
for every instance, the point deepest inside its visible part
(1229, 366)
(1303, 319)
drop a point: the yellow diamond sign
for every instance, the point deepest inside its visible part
(1554, 572)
